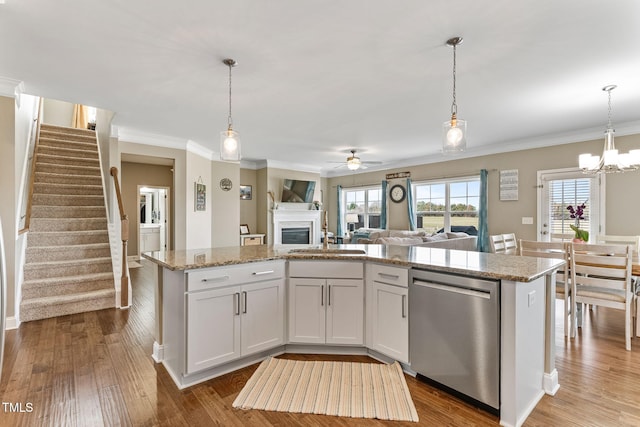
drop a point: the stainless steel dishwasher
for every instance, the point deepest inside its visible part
(454, 335)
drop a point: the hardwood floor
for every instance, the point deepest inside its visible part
(95, 369)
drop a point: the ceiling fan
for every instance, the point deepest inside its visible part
(354, 163)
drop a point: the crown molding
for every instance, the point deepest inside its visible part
(11, 88)
(202, 151)
(297, 167)
(147, 138)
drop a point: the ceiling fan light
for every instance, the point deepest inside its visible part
(353, 163)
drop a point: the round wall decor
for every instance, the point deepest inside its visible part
(397, 193)
(225, 184)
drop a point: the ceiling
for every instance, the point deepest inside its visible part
(318, 78)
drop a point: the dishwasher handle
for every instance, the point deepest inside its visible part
(453, 289)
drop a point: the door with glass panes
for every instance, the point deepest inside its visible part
(559, 189)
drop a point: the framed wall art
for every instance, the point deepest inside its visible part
(245, 192)
(200, 196)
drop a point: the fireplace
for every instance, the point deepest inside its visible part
(293, 226)
(296, 235)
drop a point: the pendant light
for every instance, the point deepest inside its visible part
(229, 139)
(611, 160)
(454, 131)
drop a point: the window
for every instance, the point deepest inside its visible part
(444, 204)
(366, 203)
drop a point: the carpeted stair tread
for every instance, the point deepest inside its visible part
(62, 305)
(67, 189)
(66, 268)
(67, 178)
(69, 280)
(44, 211)
(67, 200)
(64, 238)
(71, 169)
(67, 144)
(68, 252)
(44, 158)
(77, 152)
(68, 224)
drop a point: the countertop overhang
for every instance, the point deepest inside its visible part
(477, 264)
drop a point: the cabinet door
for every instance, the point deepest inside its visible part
(262, 308)
(213, 327)
(307, 310)
(390, 318)
(345, 311)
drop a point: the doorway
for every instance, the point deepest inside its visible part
(558, 189)
(153, 219)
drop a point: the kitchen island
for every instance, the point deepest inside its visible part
(260, 300)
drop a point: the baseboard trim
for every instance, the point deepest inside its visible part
(158, 352)
(11, 323)
(550, 383)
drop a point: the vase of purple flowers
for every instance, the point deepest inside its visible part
(577, 213)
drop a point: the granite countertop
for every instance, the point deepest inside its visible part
(477, 264)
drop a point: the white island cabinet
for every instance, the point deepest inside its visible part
(229, 313)
(326, 302)
(388, 311)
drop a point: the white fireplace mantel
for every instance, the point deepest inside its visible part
(290, 218)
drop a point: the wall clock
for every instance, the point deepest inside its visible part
(397, 193)
(225, 184)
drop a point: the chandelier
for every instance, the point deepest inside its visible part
(611, 160)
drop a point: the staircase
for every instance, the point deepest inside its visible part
(68, 258)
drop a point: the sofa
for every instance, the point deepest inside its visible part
(445, 240)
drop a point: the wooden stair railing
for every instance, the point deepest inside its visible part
(32, 178)
(124, 235)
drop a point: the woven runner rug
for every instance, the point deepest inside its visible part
(346, 389)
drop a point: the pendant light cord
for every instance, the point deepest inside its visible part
(454, 106)
(609, 122)
(230, 120)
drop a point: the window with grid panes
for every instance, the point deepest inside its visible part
(366, 203)
(444, 204)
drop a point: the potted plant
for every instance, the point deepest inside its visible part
(577, 213)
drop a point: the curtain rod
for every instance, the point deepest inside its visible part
(421, 179)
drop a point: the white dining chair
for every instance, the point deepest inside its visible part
(510, 243)
(555, 250)
(497, 244)
(606, 239)
(601, 275)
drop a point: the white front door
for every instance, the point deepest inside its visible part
(558, 189)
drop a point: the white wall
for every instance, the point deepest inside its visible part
(225, 205)
(198, 223)
(57, 113)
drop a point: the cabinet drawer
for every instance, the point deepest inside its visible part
(214, 277)
(387, 274)
(326, 269)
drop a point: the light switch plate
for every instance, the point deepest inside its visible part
(527, 220)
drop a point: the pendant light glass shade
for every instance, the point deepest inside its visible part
(454, 135)
(454, 130)
(229, 145)
(611, 160)
(229, 139)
